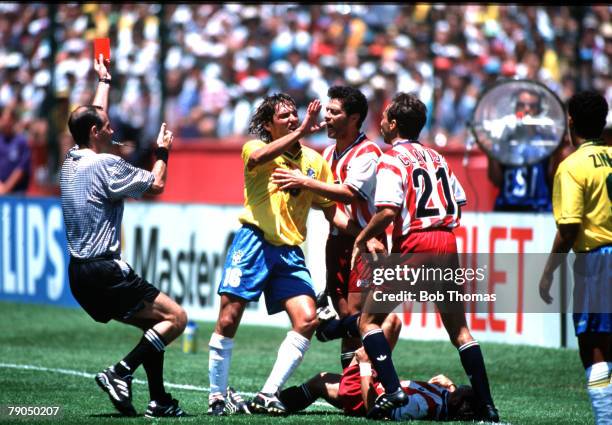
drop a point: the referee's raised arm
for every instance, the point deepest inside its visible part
(164, 143)
(164, 139)
(104, 82)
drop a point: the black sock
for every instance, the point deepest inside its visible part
(342, 328)
(379, 352)
(150, 343)
(154, 367)
(296, 398)
(473, 364)
(346, 358)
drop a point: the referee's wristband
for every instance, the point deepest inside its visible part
(365, 369)
(162, 154)
(105, 80)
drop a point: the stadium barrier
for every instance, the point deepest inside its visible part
(33, 253)
(181, 248)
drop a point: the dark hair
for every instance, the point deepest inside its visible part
(462, 404)
(353, 101)
(532, 92)
(409, 113)
(265, 113)
(588, 110)
(81, 120)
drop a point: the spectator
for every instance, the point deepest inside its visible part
(456, 104)
(14, 155)
(447, 54)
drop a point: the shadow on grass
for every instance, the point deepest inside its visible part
(111, 415)
(317, 413)
(120, 416)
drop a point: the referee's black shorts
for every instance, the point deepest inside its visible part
(105, 292)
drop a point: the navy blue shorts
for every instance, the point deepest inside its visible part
(253, 266)
(593, 291)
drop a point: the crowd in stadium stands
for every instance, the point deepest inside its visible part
(221, 59)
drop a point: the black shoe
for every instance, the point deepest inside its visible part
(267, 403)
(385, 403)
(118, 389)
(235, 403)
(216, 407)
(489, 413)
(322, 300)
(169, 409)
(324, 314)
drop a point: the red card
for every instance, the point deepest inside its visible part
(102, 46)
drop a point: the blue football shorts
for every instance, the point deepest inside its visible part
(593, 291)
(253, 266)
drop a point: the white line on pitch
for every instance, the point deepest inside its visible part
(137, 381)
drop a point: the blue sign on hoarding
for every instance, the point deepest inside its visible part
(33, 252)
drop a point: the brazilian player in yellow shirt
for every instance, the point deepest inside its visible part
(582, 206)
(265, 255)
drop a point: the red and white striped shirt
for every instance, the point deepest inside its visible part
(425, 401)
(417, 179)
(356, 167)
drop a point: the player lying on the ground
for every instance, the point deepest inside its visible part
(356, 390)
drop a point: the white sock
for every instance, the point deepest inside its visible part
(600, 392)
(219, 359)
(290, 354)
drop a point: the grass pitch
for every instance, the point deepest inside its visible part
(64, 348)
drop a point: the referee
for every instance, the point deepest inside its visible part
(93, 184)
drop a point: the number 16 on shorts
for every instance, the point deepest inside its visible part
(232, 277)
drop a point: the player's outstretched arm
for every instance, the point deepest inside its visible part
(377, 226)
(564, 240)
(310, 124)
(164, 144)
(368, 392)
(288, 179)
(103, 88)
(280, 145)
(341, 221)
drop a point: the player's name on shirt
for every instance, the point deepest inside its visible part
(601, 159)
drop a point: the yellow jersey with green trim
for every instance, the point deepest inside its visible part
(281, 214)
(582, 193)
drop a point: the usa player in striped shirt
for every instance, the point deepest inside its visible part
(353, 159)
(417, 192)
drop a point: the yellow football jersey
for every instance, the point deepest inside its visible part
(582, 193)
(281, 214)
